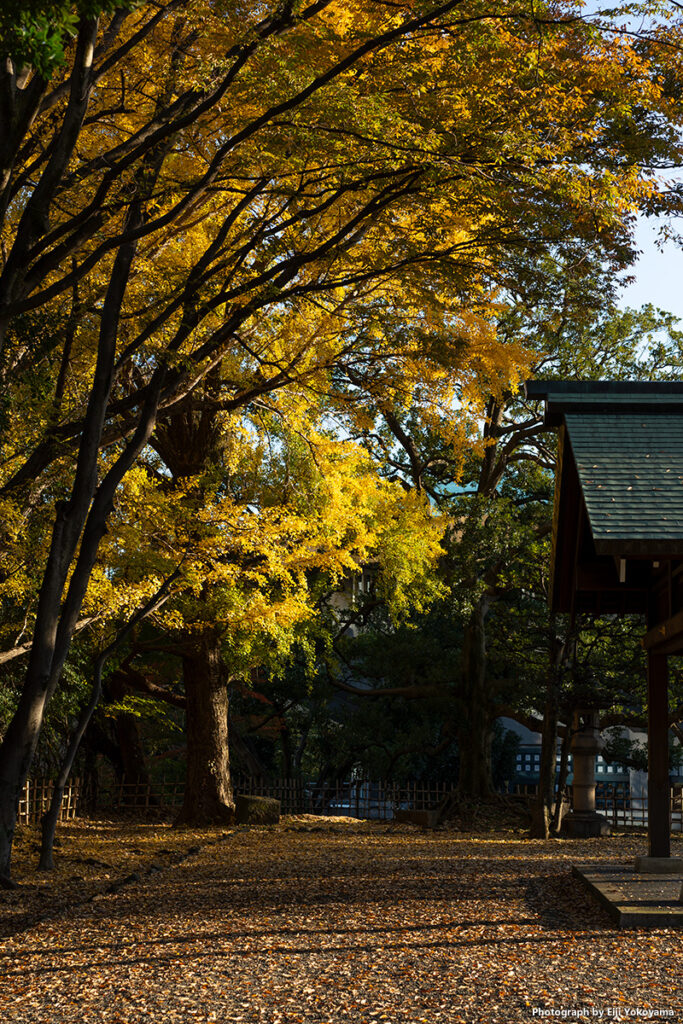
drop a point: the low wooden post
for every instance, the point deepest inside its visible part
(659, 824)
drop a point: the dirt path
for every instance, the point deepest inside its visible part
(346, 924)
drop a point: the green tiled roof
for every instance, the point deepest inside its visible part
(618, 399)
(596, 391)
(630, 468)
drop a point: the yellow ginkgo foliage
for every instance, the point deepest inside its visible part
(271, 519)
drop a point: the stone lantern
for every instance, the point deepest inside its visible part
(583, 821)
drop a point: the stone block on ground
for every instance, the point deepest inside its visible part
(256, 810)
(585, 825)
(635, 900)
(426, 819)
(659, 865)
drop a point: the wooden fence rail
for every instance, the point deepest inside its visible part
(623, 809)
(358, 799)
(361, 799)
(36, 797)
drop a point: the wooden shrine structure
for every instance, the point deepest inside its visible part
(618, 534)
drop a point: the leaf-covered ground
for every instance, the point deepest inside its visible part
(318, 922)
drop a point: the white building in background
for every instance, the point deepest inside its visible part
(529, 758)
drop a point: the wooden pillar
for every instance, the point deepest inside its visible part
(659, 824)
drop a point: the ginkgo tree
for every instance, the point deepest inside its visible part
(256, 521)
(191, 173)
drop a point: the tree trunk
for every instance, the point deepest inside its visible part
(562, 779)
(82, 519)
(286, 744)
(540, 828)
(301, 746)
(543, 809)
(51, 816)
(16, 754)
(134, 765)
(208, 789)
(474, 732)
(244, 753)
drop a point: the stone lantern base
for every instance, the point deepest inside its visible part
(585, 825)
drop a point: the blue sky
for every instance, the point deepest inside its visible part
(658, 274)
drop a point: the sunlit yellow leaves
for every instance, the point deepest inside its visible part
(250, 562)
(344, 15)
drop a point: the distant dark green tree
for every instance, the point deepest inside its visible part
(36, 33)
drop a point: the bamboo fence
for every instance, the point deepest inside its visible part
(370, 799)
(36, 796)
(361, 799)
